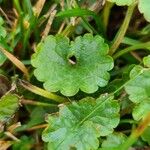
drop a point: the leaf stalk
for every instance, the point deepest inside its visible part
(121, 33)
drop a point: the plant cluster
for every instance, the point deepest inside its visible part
(72, 77)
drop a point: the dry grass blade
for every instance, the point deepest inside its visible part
(13, 127)
(10, 135)
(15, 61)
(41, 126)
(4, 145)
(49, 23)
(42, 92)
(38, 7)
(5, 15)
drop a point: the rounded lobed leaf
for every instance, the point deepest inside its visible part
(79, 125)
(146, 61)
(8, 105)
(141, 110)
(144, 8)
(122, 2)
(113, 141)
(69, 66)
(138, 87)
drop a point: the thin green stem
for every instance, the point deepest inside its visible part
(106, 13)
(123, 85)
(89, 27)
(121, 33)
(132, 48)
(68, 30)
(130, 121)
(27, 4)
(130, 41)
(17, 6)
(128, 143)
(42, 92)
(35, 103)
(96, 17)
(136, 133)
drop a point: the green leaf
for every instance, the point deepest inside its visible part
(70, 66)
(113, 141)
(8, 105)
(2, 32)
(79, 124)
(141, 110)
(146, 135)
(25, 143)
(36, 117)
(138, 87)
(146, 61)
(122, 2)
(80, 13)
(136, 71)
(76, 12)
(1, 21)
(2, 29)
(3, 40)
(4, 45)
(144, 8)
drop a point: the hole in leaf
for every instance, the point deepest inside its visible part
(72, 60)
